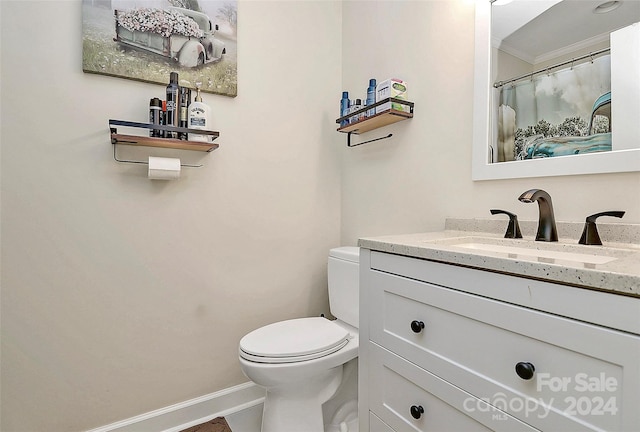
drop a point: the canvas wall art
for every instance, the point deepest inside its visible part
(145, 40)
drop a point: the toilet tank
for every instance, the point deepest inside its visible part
(343, 277)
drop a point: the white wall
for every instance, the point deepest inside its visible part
(413, 181)
(122, 295)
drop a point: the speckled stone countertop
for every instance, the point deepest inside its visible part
(621, 248)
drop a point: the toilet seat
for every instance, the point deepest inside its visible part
(293, 340)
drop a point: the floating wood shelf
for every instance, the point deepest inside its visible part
(375, 121)
(378, 120)
(162, 142)
(147, 141)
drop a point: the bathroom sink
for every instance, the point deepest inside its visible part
(529, 250)
(537, 253)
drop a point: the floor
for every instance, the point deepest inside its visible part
(216, 425)
(247, 420)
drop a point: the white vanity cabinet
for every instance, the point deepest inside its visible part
(450, 348)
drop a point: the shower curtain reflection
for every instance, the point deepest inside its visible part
(557, 113)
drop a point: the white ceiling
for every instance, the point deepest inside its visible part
(535, 29)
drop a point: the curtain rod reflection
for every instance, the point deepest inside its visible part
(571, 62)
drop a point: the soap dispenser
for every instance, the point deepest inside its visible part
(199, 117)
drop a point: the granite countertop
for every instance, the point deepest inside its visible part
(612, 267)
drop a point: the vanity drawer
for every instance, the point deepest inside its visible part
(475, 343)
(377, 425)
(398, 386)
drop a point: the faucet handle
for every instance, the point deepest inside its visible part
(590, 234)
(513, 229)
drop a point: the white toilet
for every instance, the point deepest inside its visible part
(301, 361)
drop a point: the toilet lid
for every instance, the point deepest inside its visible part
(293, 340)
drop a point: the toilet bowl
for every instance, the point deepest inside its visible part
(300, 362)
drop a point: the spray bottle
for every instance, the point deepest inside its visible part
(371, 97)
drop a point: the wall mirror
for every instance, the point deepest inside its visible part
(519, 42)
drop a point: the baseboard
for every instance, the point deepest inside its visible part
(180, 416)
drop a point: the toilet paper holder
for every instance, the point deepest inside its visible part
(145, 162)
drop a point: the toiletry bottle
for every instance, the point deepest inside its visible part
(344, 107)
(357, 104)
(371, 97)
(199, 117)
(163, 119)
(172, 104)
(155, 113)
(185, 101)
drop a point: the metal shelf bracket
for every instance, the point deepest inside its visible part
(143, 162)
(364, 142)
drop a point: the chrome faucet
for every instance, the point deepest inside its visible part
(546, 221)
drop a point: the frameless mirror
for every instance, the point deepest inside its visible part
(536, 47)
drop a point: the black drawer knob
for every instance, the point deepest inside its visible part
(416, 411)
(525, 370)
(417, 326)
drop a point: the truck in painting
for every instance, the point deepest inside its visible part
(598, 138)
(184, 35)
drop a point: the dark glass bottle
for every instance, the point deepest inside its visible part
(172, 104)
(155, 115)
(185, 101)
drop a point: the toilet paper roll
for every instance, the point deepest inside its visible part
(164, 168)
